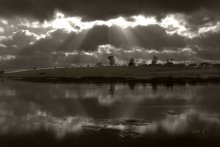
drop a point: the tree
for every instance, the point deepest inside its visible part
(111, 60)
(143, 63)
(154, 60)
(99, 64)
(131, 62)
(169, 62)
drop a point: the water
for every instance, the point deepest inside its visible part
(82, 114)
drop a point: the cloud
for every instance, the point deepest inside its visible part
(44, 44)
(103, 9)
(7, 57)
(141, 42)
(2, 46)
(207, 45)
(20, 39)
(149, 37)
(1, 30)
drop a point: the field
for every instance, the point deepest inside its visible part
(139, 72)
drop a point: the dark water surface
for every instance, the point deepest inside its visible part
(56, 114)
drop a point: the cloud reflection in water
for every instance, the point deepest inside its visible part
(73, 108)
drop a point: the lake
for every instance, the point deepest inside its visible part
(109, 114)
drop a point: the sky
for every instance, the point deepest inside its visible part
(47, 33)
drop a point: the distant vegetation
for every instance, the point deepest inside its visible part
(133, 70)
(155, 62)
(131, 62)
(111, 60)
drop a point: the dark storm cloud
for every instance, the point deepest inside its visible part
(196, 20)
(207, 45)
(41, 53)
(102, 9)
(149, 37)
(155, 37)
(18, 40)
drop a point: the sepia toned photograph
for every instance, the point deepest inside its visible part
(109, 73)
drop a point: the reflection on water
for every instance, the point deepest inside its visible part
(111, 111)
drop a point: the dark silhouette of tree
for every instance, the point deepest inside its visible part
(154, 60)
(111, 60)
(99, 64)
(143, 63)
(131, 62)
(169, 62)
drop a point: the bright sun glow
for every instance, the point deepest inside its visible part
(76, 24)
(174, 23)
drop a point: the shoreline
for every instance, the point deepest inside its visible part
(101, 80)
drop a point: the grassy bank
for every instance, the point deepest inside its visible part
(129, 73)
